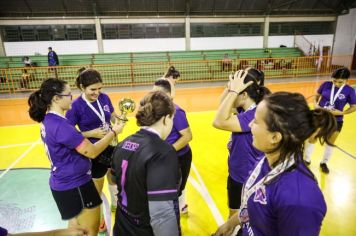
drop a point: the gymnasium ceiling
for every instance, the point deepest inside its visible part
(124, 8)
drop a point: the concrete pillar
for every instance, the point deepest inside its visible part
(187, 34)
(266, 32)
(99, 37)
(2, 47)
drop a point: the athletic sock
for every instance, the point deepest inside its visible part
(113, 194)
(309, 147)
(327, 153)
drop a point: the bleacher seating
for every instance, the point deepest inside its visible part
(145, 67)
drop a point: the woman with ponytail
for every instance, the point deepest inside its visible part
(145, 168)
(69, 153)
(242, 94)
(334, 96)
(281, 195)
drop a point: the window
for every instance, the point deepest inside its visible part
(307, 28)
(58, 32)
(88, 32)
(151, 31)
(109, 31)
(11, 34)
(28, 33)
(139, 31)
(226, 30)
(124, 31)
(73, 32)
(43, 33)
(48, 32)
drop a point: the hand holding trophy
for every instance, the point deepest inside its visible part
(126, 106)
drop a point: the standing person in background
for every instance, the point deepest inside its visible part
(242, 155)
(281, 195)
(52, 60)
(179, 137)
(145, 168)
(69, 153)
(93, 113)
(333, 95)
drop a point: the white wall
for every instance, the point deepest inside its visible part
(61, 47)
(276, 41)
(345, 35)
(143, 45)
(215, 43)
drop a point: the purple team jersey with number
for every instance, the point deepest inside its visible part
(82, 115)
(69, 169)
(291, 205)
(242, 155)
(347, 95)
(180, 122)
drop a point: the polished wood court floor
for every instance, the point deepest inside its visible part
(26, 203)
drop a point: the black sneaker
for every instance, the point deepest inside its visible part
(307, 163)
(324, 168)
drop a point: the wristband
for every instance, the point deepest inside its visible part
(114, 132)
(233, 91)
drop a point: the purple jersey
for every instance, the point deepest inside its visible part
(242, 155)
(3, 232)
(347, 95)
(180, 122)
(69, 169)
(82, 115)
(291, 205)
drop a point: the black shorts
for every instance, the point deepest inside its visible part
(98, 170)
(339, 125)
(71, 202)
(234, 190)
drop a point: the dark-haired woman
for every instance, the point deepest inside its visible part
(93, 112)
(146, 172)
(69, 153)
(333, 95)
(172, 75)
(242, 155)
(281, 195)
(179, 137)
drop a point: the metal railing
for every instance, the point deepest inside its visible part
(15, 80)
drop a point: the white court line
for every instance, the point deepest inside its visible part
(19, 145)
(19, 158)
(106, 213)
(203, 190)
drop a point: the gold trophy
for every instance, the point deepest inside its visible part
(126, 106)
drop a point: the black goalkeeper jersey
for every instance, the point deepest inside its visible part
(145, 168)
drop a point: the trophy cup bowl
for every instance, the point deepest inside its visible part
(126, 105)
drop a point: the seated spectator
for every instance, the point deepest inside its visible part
(25, 79)
(27, 61)
(226, 63)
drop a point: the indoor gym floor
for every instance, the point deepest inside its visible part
(26, 203)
